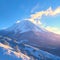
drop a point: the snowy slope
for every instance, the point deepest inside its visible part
(22, 51)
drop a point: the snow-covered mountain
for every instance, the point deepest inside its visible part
(25, 37)
(27, 30)
(24, 26)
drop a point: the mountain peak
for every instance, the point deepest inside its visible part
(24, 26)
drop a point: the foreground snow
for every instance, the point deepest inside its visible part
(22, 51)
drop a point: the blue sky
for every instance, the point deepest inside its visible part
(13, 10)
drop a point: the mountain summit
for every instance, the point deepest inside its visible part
(25, 26)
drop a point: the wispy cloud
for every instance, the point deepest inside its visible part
(49, 11)
(35, 8)
(36, 17)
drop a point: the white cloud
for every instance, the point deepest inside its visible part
(52, 12)
(49, 11)
(36, 17)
